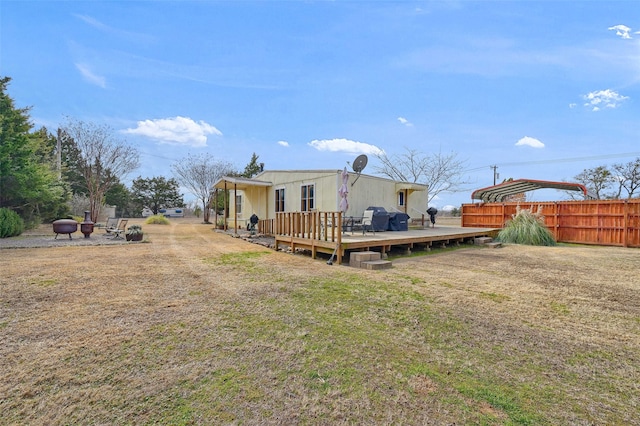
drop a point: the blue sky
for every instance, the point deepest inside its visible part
(542, 89)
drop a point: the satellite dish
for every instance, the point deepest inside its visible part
(358, 166)
(360, 163)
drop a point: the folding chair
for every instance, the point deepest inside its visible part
(122, 226)
(367, 222)
(112, 223)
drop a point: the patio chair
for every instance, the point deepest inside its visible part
(367, 222)
(117, 231)
(111, 224)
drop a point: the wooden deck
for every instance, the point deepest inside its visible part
(383, 242)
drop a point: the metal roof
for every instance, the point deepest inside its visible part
(239, 182)
(499, 193)
(401, 186)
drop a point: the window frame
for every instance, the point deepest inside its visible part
(279, 194)
(307, 197)
(238, 205)
(401, 199)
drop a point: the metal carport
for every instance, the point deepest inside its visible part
(498, 193)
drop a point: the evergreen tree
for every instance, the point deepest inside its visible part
(253, 168)
(120, 196)
(155, 193)
(28, 182)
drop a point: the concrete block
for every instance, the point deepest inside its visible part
(363, 256)
(482, 240)
(377, 264)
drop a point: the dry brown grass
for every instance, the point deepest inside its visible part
(196, 327)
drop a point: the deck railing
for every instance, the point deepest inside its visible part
(602, 222)
(315, 225)
(266, 226)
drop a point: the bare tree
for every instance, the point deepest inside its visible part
(103, 159)
(597, 180)
(628, 177)
(198, 174)
(440, 172)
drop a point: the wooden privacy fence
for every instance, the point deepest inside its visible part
(602, 222)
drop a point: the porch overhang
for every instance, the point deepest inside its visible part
(239, 183)
(410, 187)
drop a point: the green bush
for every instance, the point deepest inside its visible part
(134, 230)
(157, 219)
(11, 224)
(528, 228)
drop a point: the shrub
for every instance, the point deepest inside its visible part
(11, 224)
(526, 227)
(157, 219)
(134, 230)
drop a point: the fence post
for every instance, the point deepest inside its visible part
(555, 221)
(626, 223)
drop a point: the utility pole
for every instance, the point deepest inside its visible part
(495, 174)
(59, 154)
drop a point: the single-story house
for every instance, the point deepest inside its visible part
(273, 191)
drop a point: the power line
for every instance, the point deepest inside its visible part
(156, 155)
(557, 160)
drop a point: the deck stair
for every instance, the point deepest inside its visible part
(487, 241)
(371, 260)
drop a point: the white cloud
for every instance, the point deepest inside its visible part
(622, 31)
(113, 31)
(603, 98)
(176, 131)
(528, 141)
(404, 121)
(90, 76)
(345, 145)
(283, 143)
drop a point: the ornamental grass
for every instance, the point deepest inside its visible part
(526, 227)
(157, 219)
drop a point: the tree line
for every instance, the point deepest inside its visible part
(618, 181)
(45, 176)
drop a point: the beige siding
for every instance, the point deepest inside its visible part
(326, 184)
(366, 191)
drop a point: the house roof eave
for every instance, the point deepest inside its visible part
(401, 186)
(240, 183)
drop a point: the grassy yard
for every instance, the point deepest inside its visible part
(196, 327)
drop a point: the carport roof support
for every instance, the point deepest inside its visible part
(499, 193)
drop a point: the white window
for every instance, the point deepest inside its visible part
(401, 198)
(280, 200)
(307, 198)
(238, 205)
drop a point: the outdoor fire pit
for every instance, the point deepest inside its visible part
(86, 227)
(65, 226)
